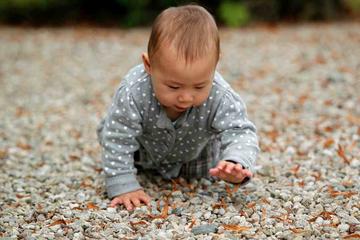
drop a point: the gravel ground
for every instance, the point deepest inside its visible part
(301, 85)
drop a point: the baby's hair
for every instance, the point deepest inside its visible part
(190, 29)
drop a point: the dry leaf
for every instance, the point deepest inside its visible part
(22, 196)
(74, 156)
(297, 230)
(60, 221)
(24, 146)
(334, 193)
(164, 213)
(263, 214)
(133, 224)
(3, 153)
(341, 153)
(352, 236)
(192, 223)
(328, 142)
(21, 111)
(235, 227)
(251, 205)
(301, 184)
(91, 205)
(302, 99)
(353, 119)
(264, 200)
(174, 185)
(284, 218)
(295, 170)
(316, 175)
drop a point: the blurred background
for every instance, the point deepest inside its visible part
(134, 13)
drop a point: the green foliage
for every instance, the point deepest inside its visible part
(130, 13)
(354, 5)
(234, 14)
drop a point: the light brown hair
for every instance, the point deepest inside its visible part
(190, 29)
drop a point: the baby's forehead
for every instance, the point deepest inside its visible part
(171, 51)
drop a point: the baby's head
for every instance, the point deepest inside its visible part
(183, 51)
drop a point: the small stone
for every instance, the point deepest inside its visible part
(343, 227)
(177, 194)
(221, 211)
(297, 199)
(81, 197)
(204, 229)
(207, 215)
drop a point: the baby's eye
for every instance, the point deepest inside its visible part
(199, 88)
(173, 87)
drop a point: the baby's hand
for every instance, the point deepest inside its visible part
(230, 172)
(131, 199)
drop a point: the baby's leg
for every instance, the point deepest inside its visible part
(208, 158)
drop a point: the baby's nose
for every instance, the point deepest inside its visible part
(186, 97)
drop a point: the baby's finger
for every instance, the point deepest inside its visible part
(221, 165)
(247, 172)
(229, 168)
(128, 204)
(214, 172)
(145, 199)
(136, 202)
(238, 168)
(115, 202)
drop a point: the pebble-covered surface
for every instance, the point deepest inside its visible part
(301, 84)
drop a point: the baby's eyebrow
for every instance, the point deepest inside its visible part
(173, 82)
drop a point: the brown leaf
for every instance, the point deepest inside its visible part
(264, 200)
(341, 153)
(133, 224)
(295, 170)
(75, 133)
(284, 218)
(164, 212)
(263, 214)
(60, 221)
(316, 175)
(273, 134)
(237, 228)
(74, 156)
(353, 119)
(302, 99)
(174, 185)
(297, 230)
(334, 193)
(22, 196)
(91, 205)
(328, 142)
(192, 223)
(301, 184)
(352, 236)
(3, 153)
(251, 205)
(24, 146)
(222, 204)
(21, 111)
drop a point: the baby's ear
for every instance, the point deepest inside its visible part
(146, 62)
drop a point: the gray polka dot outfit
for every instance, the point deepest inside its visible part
(196, 141)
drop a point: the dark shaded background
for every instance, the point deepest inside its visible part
(130, 13)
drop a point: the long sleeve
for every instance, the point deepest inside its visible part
(117, 135)
(238, 137)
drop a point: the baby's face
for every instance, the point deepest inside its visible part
(179, 86)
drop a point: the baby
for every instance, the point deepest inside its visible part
(175, 114)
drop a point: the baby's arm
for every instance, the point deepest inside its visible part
(118, 139)
(239, 144)
(131, 199)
